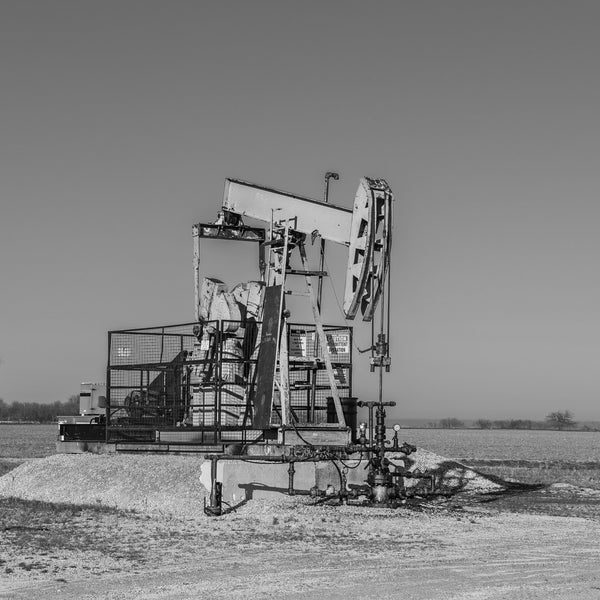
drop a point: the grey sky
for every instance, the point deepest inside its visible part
(119, 122)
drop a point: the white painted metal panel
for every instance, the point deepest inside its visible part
(247, 199)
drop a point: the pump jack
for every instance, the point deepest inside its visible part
(231, 382)
(366, 232)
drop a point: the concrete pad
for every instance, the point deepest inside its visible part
(246, 480)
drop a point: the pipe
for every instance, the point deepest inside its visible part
(380, 428)
(291, 471)
(215, 507)
(329, 175)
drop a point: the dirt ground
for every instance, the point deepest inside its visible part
(541, 543)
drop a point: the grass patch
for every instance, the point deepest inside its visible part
(8, 465)
(45, 527)
(37, 507)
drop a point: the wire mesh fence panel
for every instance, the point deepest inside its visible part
(184, 382)
(310, 386)
(181, 378)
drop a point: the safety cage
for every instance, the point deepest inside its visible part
(193, 384)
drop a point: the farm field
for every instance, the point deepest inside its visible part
(507, 444)
(27, 441)
(37, 441)
(529, 456)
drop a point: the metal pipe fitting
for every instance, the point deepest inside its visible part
(291, 471)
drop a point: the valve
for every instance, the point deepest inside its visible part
(362, 437)
(395, 446)
(381, 357)
(381, 347)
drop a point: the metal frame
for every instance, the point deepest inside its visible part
(154, 366)
(235, 233)
(258, 202)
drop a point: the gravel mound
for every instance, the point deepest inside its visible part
(146, 483)
(171, 484)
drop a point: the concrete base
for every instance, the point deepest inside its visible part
(244, 480)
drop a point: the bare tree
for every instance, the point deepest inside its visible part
(451, 423)
(560, 419)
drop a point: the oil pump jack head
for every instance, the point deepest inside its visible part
(370, 246)
(367, 231)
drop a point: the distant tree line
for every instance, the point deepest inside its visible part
(509, 424)
(555, 420)
(36, 412)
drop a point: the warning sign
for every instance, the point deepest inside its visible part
(339, 342)
(302, 344)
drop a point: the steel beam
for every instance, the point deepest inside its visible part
(258, 202)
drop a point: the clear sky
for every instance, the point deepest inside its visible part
(119, 121)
